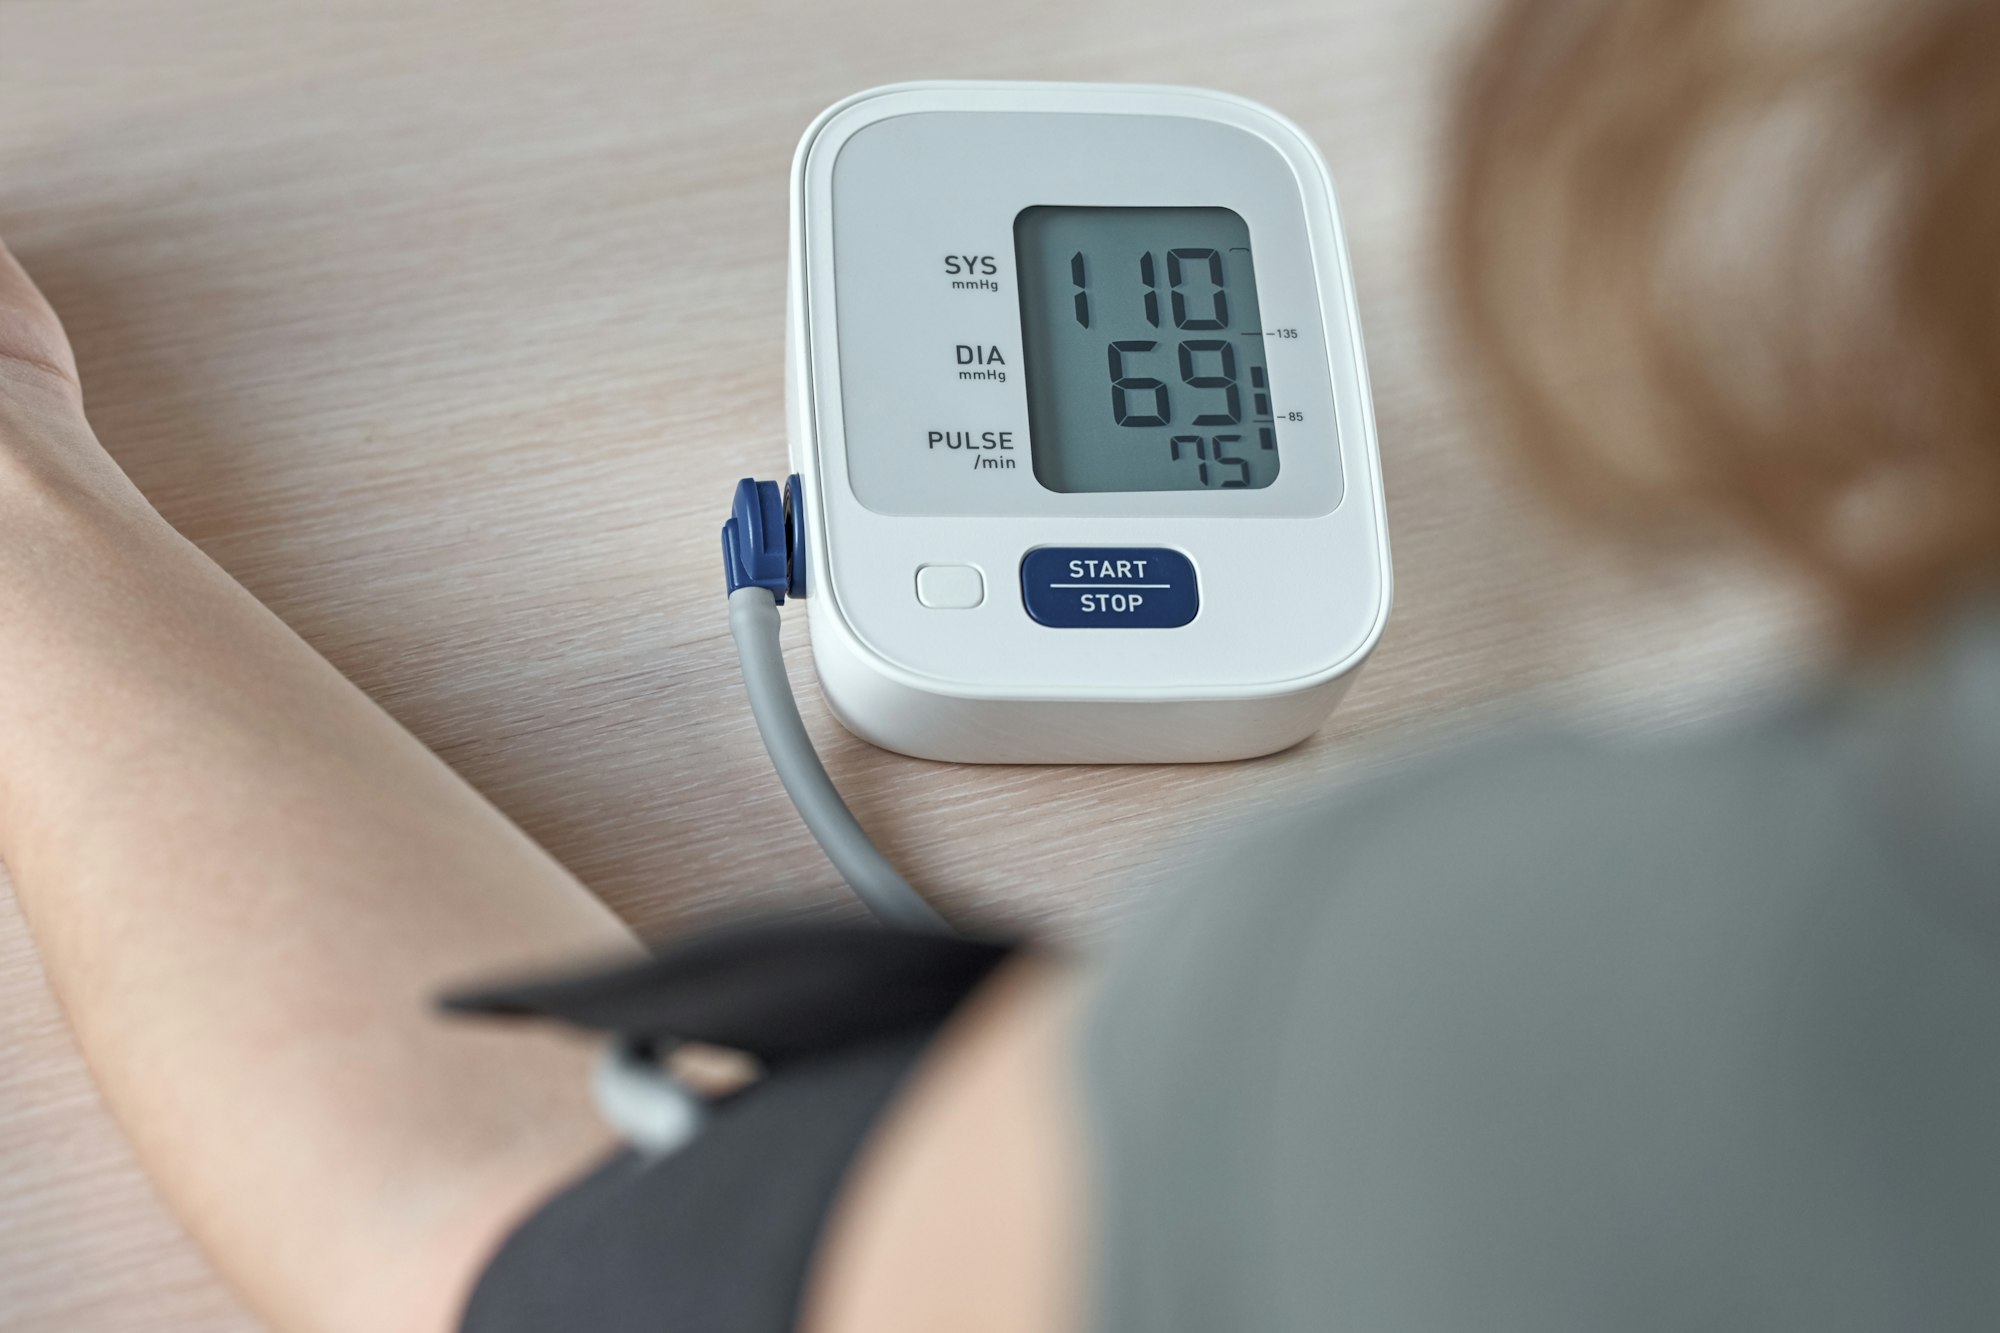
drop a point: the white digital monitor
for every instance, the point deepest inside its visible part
(1081, 418)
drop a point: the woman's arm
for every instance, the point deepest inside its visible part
(247, 882)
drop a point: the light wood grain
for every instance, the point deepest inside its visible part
(446, 327)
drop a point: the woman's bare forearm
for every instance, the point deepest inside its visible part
(247, 882)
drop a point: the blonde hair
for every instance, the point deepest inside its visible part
(1743, 259)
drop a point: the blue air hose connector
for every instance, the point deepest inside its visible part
(764, 541)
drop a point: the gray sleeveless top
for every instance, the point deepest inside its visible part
(1552, 1037)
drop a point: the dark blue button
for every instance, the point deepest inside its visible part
(1109, 587)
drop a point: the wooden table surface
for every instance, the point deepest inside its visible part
(447, 326)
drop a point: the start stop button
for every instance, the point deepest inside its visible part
(1109, 587)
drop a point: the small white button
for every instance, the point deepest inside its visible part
(951, 587)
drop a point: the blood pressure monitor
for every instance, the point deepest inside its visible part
(1087, 469)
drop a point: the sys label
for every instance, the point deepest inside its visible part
(1109, 587)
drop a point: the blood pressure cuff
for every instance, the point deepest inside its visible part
(719, 1236)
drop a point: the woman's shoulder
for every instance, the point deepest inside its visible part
(1520, 1004)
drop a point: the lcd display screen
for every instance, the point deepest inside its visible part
(1144, 350)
